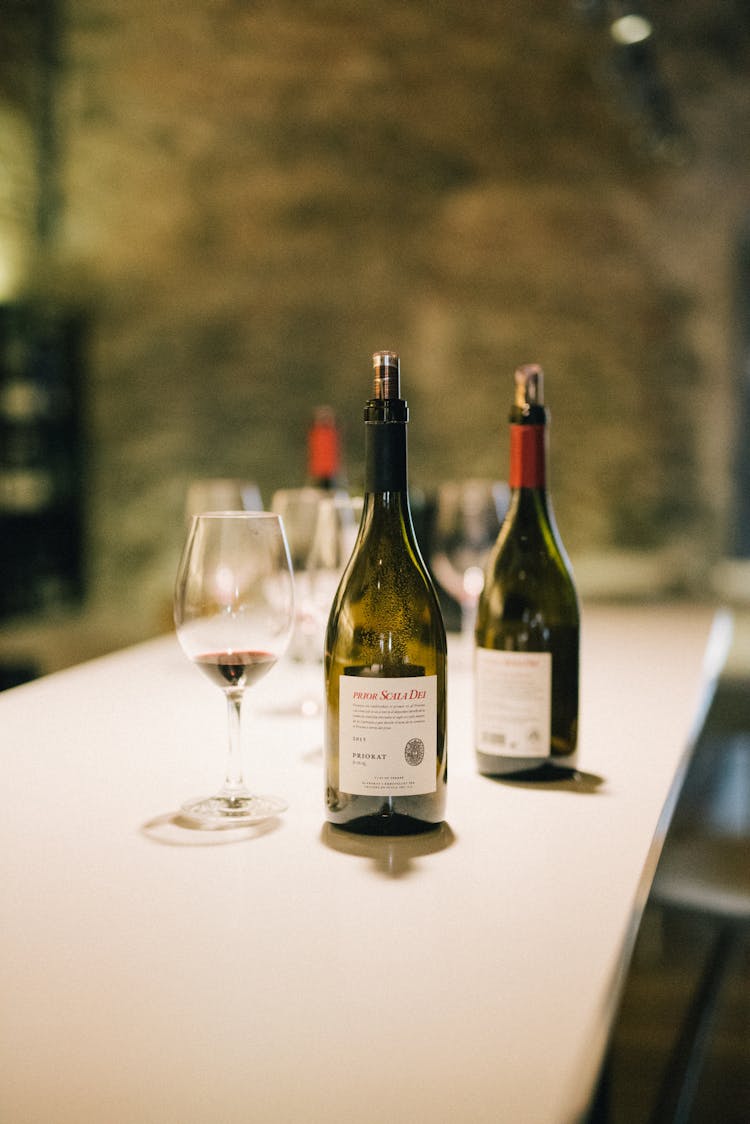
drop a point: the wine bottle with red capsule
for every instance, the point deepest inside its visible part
(527, 635)
(324, 453)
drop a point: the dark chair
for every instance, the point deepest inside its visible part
(705, 870)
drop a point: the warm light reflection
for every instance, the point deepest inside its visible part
(18, 192)
(7, 281)
(225, 586)
(473, 582)
(14, 255)
(628, 30)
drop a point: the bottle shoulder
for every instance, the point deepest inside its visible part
(528, 572)
(529, 539)
(389, 580)
(530, 551)
(386, 608)
(386, 546)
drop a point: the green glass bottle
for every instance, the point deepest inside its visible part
(528, 619)
(385, 654)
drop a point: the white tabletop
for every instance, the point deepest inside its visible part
(294, 973)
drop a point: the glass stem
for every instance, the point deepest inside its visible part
(234, 784)
(468, 621)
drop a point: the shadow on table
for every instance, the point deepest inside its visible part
(172, 830)
(554, 778)
(393, 856)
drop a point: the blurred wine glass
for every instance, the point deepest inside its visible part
(222, 493)
(468, 517)
(298, 508)
(333, 541)
(321, 526)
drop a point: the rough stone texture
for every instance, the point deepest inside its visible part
(257, 196)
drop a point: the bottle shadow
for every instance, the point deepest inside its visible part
(391, 856)
(554, 778)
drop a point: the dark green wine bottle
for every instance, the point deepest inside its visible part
(385, 653)
(528, 619)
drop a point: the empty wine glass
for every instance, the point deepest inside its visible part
(335, 533)
(234, 612)
(222, 493)
(298, 507)
(332, 545)
(321, 528)
(467, 522)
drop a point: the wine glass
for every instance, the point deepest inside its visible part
(467, 522)
(321, 527)
(336, 530)
(222, 493)
(298, 507)
(234, 612)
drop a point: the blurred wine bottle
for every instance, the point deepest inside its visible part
(41, 460)
(324, 451)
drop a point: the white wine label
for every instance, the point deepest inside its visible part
(513, 703)
(388, 735)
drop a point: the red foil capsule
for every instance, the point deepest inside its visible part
(527, 456)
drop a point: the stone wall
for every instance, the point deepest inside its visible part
(257, 196)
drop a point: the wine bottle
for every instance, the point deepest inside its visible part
(528, 620)
(385, 653)
(324, 450)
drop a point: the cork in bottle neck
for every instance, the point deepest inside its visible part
(387, 367)
(529, 386)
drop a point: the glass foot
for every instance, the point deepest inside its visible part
(224, 811)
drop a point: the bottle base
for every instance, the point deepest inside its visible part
(386, 815)
(395, 824)
(537, 769)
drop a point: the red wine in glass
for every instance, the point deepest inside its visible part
(234, 612)
(235, 669)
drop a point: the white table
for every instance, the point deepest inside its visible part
(152, 973)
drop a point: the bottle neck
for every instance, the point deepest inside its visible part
(528, 457)
(385, 458)
(530, 501)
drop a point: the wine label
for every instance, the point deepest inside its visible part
(513, 703)
(388, 735)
